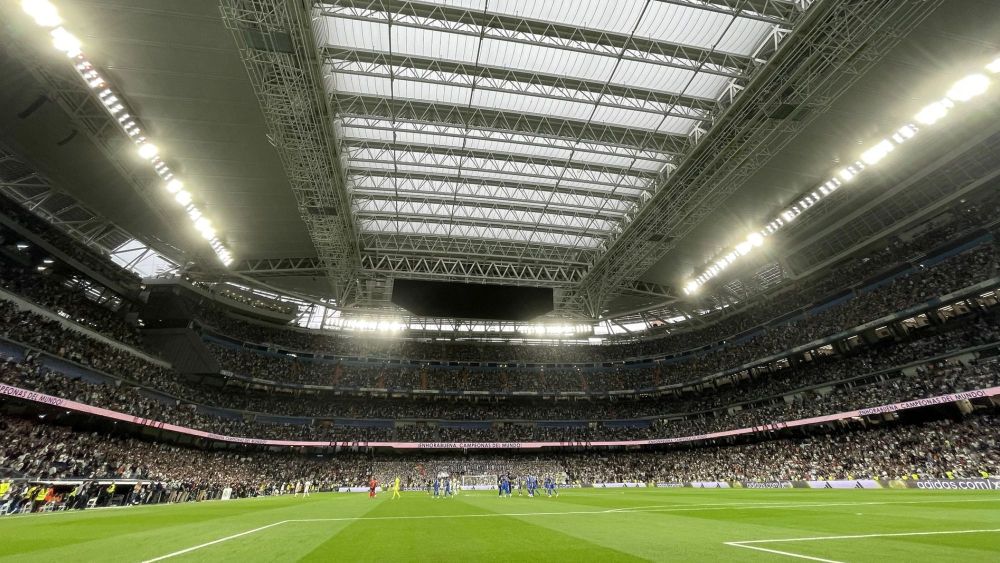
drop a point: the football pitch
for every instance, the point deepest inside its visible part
(580, 525)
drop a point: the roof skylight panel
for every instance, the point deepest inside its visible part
(479, 195)
(492, 214)
(701, 28)
(669, 80)
(477, 231)
(676, 126)
(616, 17)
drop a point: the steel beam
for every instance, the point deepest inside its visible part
(277, 42)
(835, 44)
(480, 24)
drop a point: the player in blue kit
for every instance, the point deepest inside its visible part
(447, 487)
(437, 487)
(550, 487)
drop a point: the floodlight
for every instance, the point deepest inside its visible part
(907, 131)
(42, 11)
(207, 233)
(174, 186)
(875, 154)
(744, 248)
(932, 113)
(203, 224)
(194, 213)
(183, 197)
(994, 66)
(969, 87)
(148, 150)
(846, 174)
(755, 239)
(65, 41)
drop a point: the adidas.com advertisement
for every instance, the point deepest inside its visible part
(766, 484)
(948, 484)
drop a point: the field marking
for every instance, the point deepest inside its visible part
(213, 542)
(777, 552)
(746, 543)
(626, 510)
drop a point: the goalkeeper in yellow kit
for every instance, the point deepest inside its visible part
(395, 488)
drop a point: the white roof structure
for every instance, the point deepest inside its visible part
(540, 125)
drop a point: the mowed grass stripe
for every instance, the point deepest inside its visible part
(494, 538)
(139, 533)
(583, 525)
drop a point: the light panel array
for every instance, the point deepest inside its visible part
(962, 91)
(47, 16)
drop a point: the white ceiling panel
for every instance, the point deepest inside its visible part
(571, 177)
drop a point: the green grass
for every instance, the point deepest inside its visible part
(581, 525)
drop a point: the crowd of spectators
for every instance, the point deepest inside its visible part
(765, 400)
(282, 368)
(966, 448)
(941, 449)
(956, 272)
(89, 258)
(55, 293)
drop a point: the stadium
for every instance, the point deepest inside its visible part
(499, 280)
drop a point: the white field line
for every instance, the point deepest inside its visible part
(885, 535)
(746, 543)
(777, 552)
(664, 508)
(213, 542)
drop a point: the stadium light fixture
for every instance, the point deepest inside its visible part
(934, 112)
(963, 90)
(65, 42)
(846, 174)
(875, 154)
(904, 133)
(42, 11)
(46, 15)
(148, 151)
(969, 87)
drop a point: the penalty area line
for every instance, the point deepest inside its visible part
(746, 544)
(777, 552)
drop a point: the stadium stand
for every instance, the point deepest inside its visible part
(859, 345)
